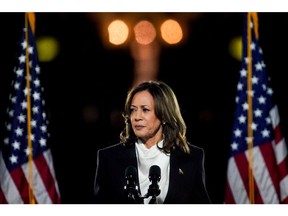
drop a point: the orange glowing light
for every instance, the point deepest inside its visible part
(118, 32)
(171, 31)
(145, 32)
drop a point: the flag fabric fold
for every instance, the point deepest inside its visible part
(17, 177)
(269, 151)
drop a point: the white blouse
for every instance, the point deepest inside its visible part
(147, 158)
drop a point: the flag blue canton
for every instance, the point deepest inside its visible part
(15, 148)
(262, 101)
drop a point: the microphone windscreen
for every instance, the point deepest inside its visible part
(155, 172)
(131, 172)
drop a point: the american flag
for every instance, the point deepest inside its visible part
(269, 152)
(16, 174)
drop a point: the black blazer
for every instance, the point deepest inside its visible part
(186, 183)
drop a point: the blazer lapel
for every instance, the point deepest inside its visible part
(130, 158)
(174, 175)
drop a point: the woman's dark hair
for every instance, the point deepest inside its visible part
(167, 111)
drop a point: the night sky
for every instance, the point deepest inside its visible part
(86, 85)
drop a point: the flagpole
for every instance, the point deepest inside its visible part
(250, 112)
(28, 97)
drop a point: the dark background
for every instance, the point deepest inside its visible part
(86, 85)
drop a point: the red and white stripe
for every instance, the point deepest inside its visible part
(14, 184)
(269, 168)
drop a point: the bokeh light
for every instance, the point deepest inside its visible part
(118, 32)
(171, 31)
(145, 32)
(48, 48)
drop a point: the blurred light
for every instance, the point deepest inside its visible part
(145, 32)
(146, 61)
(116, 118)
(171, 31)
(90, 114)
(141, 52)
(48, 48)
(118, 32)
(235, 48)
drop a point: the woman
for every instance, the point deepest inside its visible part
(154, 134)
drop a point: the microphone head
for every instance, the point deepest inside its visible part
(155, 173)
(131, 172)
(154, 178)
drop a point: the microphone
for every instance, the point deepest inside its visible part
(131, 187)
(154, 178)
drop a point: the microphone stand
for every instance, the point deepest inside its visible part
(133, 195)
(136, 198)
(153, 191)
(153, 200)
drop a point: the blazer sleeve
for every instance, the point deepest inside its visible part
(201, 191)
(99, 186)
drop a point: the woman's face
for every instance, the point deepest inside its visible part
(145, 123)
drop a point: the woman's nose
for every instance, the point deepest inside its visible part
(138, 115)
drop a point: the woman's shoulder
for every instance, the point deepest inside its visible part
(111, 147)
(195, 148)
(195, 151)
(109, 151)
(114, 148)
